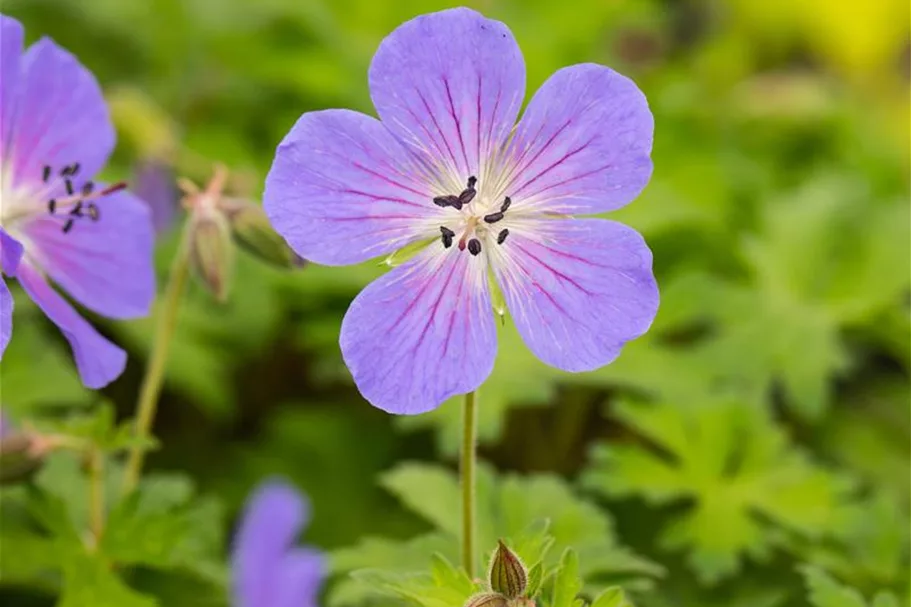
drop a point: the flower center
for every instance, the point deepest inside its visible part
(77, 204)
(475, 224)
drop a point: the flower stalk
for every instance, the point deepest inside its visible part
(468, 473)
(96, 494)
(152, 382)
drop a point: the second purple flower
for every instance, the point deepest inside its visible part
(448, 165)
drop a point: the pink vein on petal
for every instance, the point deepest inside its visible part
(518, 171)
(433, 312)
(433, 118)
(568, 180)
(452, 317)
(554, 271)
(386, 178)
(547, 170)
(376, 198)
(458, 123)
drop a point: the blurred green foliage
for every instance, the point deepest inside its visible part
(754, 449)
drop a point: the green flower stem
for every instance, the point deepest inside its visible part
(154, 377)
(468, 468)
(96, 494)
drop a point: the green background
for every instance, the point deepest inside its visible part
(760, 428)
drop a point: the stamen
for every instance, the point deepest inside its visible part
(505, 206)
(494, 217)
(448, 235)
(501, 237)
(472, 181)
(469, 228)
(447, 201)
(111, 189)
(69, 187)
(474, 246)
(467, 196)
(46, 174)
(82, 202)
(70, 171)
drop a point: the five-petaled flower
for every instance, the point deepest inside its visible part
(268, 571)
(95, 241)
(444, 163)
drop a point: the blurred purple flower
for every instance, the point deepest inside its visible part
(92, 240)
(268, 570)
(448, 163)
(155, 184)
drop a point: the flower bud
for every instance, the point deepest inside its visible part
(487, 599)
(253, 232)
(507, 573)
(212, 251)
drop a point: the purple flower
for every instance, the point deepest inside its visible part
(268, 570)
(93, 240)
(154, 183)
(447, 165)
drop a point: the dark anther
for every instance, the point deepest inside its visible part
(493, 217)
(505, 206)
(69, 187)
(87, 188)
(94, 213)
(467, 196)
(69, 171)
(77, 210)
(447, 201)
(501, 237)
(68, 226)
(46, 174)
(448, 235)
(469, 193)
(474, 246)
(51, 206)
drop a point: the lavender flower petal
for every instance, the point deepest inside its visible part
(342, 190)
(450, 84)
(421, 333)
(584, 289)
(272, 519)
(10, 253)
(6, 316)
(154, 183)
(11, 36)
(106, 264)
(10, 256)
(298, 579)
(99, 361)
(583, 144)
(61, 117)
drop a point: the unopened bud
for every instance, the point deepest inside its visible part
(253, 232)
(508, 575)
(487, 599)
(212, 252)
(18, 459)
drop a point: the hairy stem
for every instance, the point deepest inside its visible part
(468, 467)
(152, 382)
